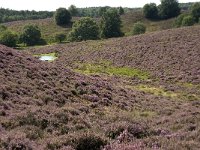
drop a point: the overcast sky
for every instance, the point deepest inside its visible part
(54, 4)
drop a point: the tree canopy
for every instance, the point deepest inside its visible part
(150, 11)
(31, 35)
(62, 16)
(111, 24)
(84, 29)
(168, 9)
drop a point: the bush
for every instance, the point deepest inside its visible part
(2, 28)
(150, 11)
(188, 21)
(111, 24)
(179, 19)
(84, 29)
(8, 38)
(139, 28)
(195, 11)
(168, 9)
(31, 35)
(89, 142)
(60, 37)
(62, 16)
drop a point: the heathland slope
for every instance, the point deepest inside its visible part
(137, 92)
(169, 55)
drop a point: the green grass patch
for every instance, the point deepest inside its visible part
(156, 91)
(107, 68)
(159, 91)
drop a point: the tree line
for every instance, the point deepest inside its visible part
(109, 25)
(7, 15)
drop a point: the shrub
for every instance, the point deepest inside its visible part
(111, 24)
(188, 21)
(89, 142)
(31, 35)
(62, 16)
(150, 11)
(179, 19)
(84, 29)
(139, 28)
(168, 9)
(195, 11)
(2, 28)
(8, 38)
(60, 37)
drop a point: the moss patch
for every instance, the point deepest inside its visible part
(107, 68)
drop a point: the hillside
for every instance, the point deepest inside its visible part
(49, 28)
(138, 92)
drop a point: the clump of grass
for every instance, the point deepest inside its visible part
(107, 68)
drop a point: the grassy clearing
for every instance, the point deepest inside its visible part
(159, 91)
(107, 68)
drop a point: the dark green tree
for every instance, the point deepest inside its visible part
(168, 9)
(195, 11)
(8, 38)
(73, 10)
(62, 16)
(103, 10)
(31, 35)
(150, 11)
(111, 24)
(138, 28)
(84, 29)
(121, 10)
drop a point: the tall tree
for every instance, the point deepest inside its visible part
(169, 9)
(62, 16)
(150, 11)
(196, 11)
(111, 24)
(73, 10)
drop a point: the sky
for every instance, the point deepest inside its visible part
(52, 5)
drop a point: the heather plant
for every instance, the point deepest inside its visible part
(138, 28)
(89, 142)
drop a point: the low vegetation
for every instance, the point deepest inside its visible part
(138, 28)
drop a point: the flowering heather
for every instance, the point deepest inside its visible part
(51, 105)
